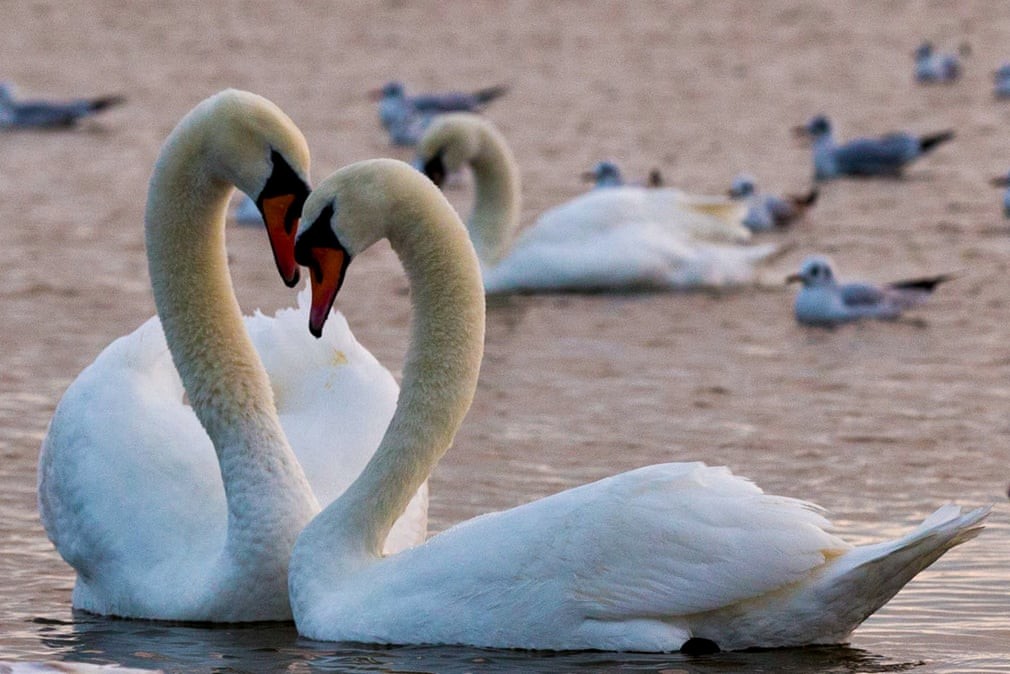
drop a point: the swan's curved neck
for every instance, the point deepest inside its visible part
(495, 216)
(220, 370)
(439, 379)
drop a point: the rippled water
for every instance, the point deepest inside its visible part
(879, 423)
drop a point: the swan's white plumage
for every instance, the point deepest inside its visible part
(334, 400)
(697, 218)
(144, 474)
(620, 238)
(639, 256)
(567, 571)
(643, 560)
(130, 484)
(126, 471)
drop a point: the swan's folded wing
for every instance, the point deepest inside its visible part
(661, 541)
(678, 539)
(701, 217)
(729, 210)
(126, 472)
(587, 216)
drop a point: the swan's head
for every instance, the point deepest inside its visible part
(451, 142)
(815, 271)
(256, 147)
(348, 212)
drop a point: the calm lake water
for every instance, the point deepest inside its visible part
(574, 388)
(878, 423)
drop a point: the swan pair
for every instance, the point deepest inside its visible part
(620, 238)
(665, 557)
(130, 489)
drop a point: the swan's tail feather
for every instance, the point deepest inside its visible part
(867, 577)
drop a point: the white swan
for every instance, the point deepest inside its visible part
(649, 560)
(614, 239)
(130, 488)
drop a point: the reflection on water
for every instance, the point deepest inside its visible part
(271, 648)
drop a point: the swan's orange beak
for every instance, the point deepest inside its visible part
(280, 202)
(327, 268)
(281, 228)
(318, 249)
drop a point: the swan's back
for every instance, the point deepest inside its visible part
(599, 211)
(643, 256)
(669, 540)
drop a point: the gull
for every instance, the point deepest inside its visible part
(246, 212)
(767, 211)
(1001, 79)
(607, 174)
(883, 156)
(823, 301)
(1003, 181)
(39, 114)
(932, 67)
(406, 118)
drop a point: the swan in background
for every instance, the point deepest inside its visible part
(666, 557)
(131, 491)
(618, 238)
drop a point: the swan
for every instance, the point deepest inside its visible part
(130, 489)
(614, 239)
(655, 559)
